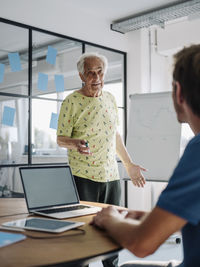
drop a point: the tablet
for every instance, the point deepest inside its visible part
(45, 225)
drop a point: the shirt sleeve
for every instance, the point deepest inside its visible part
(181, 196)
(65, 120)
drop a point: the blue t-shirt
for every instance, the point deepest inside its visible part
(182, 198)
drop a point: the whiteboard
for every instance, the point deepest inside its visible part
(153, 136)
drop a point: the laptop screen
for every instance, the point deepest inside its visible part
(48, 186)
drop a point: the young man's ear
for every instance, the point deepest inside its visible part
(178, 93)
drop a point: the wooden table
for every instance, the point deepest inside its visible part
(74, 250)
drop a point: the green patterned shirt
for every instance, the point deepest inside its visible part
(94, 119)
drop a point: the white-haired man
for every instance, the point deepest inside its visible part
(87, 127)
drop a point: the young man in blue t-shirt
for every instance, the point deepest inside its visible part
(178, 207)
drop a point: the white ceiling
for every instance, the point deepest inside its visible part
(111, 10)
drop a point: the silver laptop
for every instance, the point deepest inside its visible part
(51, 191)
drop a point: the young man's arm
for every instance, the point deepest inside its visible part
(133, 170)
(143, 237)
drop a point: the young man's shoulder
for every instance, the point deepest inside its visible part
(193, 146)
(195, 140)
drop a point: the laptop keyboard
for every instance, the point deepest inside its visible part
(56, 210)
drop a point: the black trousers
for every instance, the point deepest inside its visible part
(108, 192)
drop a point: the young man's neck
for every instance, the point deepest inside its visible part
(194, 122)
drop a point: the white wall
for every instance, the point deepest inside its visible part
(137, 63)
(177, 35)
(164, 44)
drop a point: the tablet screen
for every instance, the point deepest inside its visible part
(46, 225)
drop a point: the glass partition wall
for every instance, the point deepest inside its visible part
(37, 71)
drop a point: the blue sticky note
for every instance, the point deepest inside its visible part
(2, 70)
(51, 55)
(15, 63)
(8, 116)
(42, 81)
(54, 121)
(59, 82)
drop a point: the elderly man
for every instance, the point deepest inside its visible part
(179, 204)
(87, 127)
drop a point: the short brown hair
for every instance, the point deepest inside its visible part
(187, 73)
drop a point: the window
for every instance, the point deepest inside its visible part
(13, 130)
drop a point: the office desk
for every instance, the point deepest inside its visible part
(75, 250)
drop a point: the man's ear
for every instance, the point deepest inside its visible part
(178, 93)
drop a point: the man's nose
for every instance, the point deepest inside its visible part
(95, 75)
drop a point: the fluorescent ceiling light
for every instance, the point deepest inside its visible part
(157, 16)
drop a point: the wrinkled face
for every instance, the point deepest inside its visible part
(93, 76)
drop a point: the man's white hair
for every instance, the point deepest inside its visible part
(81, 61)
